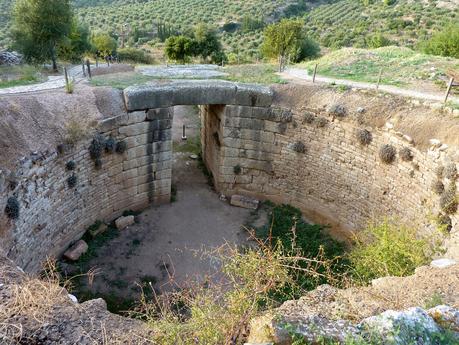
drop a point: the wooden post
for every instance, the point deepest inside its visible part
(97, 61)
(315, 72)
(88, 66)
(66, 76)
(448, 90)
(183, 133)
(84, 70)
(379, 79)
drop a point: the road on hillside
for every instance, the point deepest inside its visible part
(296, 74)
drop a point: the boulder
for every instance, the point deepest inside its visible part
(76, 250)
(447, 317)
(123, 222)
(244, 202)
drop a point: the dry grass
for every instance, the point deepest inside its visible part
(30, 298)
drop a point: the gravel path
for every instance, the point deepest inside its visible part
(183, 71)
(300, 74)
(53, 82)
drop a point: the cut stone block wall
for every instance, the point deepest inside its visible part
(335, 180)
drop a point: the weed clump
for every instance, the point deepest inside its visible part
(321, 121)
(438, 187)
(70, 165)
(406, 154)
(309, 117)
(72, 181)
(110, 145)
(364, 136)
(387, 154)
(388, 249)
(12, 208)
(98, 163)
(299, 147)
(439, 171)
(96, 147)
(121, 147)
(449, 200)
(338, 110)
(237, 169)
(451, 171)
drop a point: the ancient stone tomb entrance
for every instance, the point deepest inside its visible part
(228, 112)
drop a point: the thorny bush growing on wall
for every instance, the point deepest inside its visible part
(387, 153)
(449, 200)
(12, 208)
(96, 147)
(406, 154)
(438, 187)
(364, 136)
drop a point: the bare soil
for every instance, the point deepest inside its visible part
(167, 244)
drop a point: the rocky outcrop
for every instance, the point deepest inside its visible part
(381, 312)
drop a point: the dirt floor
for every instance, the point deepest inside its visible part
(166, 244)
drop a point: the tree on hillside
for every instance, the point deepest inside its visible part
(283, 40)
(179, 48)
(76, 44)
(104, 44)
(39, 26)
(206, 42)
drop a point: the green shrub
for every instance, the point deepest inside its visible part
(388, 249)
(299, 147)
(444, 43)
(70, 165)
(449, 200)
(72, 181)
(96, 147)
(121, 147)
(134, 55)
(378, 41)
(309, 117)
(237, 169)
(12, 208)
(298, 239)
(110, 145)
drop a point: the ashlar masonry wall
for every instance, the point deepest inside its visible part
(250, 145)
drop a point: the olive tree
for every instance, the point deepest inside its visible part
(39, 26)
(282, 40)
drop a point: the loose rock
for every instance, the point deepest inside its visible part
(245, 202)
(123, 222)
(75, 251)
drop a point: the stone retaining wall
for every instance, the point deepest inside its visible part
(250, 146)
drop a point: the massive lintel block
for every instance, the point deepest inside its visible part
(195, 92)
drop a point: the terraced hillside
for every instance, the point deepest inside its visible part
(350, 23)
(334, 23)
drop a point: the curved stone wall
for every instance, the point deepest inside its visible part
(333, 180)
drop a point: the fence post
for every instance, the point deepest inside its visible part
(448, 90)
(379, 79)
(97, 61)
(84, 70)
(66, 76)
(315, 72)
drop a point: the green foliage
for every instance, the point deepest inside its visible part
(110, 145)
(444, 42)
(309, 49)
(378, 40)
(134, 55)
(179, 48)
(286, 230)
(104, 44)
(449, 200)
(121, 147)
(12, 208)
(96, 147)
(76, 44)
(251, 24)
(388, 249)
(206, 43)
(72, 181)
(70, 165)
(19, 75)
(213, 314)
(282, 40)
(39, 26)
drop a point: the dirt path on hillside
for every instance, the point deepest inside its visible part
(166, 244)
(299, 75)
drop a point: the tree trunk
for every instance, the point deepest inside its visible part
(53, 58)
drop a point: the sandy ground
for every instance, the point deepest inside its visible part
(168, 241)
